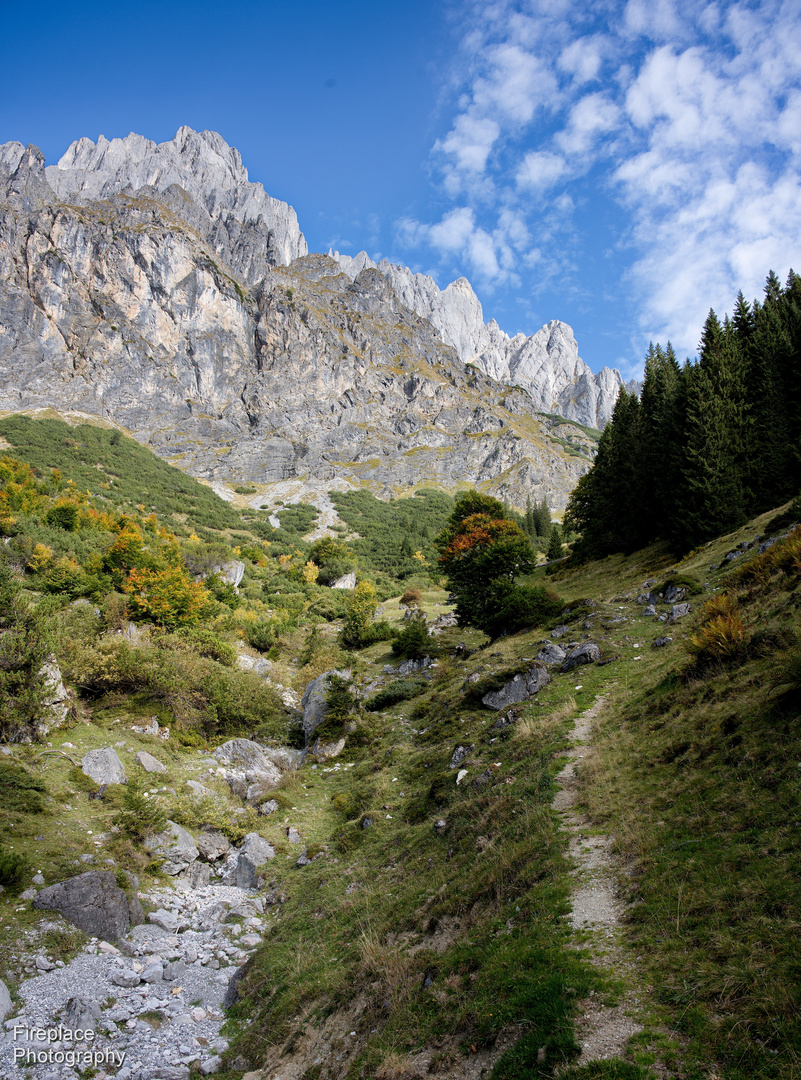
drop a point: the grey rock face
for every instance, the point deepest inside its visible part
(550, 654)
(520, 688)
(104, 766)
(213, 845)
(588, 653)
(149, 284)
(678, 611)
(149, 763)
(313, 701)
(93, 902)
(240, 217)
(6, 1005)
(547, 364)
(176, 845)
(347, 581)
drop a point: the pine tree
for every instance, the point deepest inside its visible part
(657, 475)
(555, 543)
(605, 506)
(713, 491)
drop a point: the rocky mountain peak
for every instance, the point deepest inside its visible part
(547, 364)
(201, 164)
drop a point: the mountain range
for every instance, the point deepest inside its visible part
(154, 287)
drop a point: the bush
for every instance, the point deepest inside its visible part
(264, 634)
(14, 870)
(413, 641)
(206, 643)
(518, 607)
(139, 816)
(166, 597)
(20, 792)
(412, 598)
(362, 604)
(399, 690)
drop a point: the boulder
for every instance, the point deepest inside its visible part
(347, 581)
(126, 978)
(410, 666)
(167, 920)
(269, 807)
(588, 653)
(249, 760)
(213, 845)
(259, 849)
(520, 688)
(104, 766)
(661, 642)
(324, 751)
(258, 792)
(196, 876)
(232, 572)
(149, 763)
(6, 1005)
(81, 1014)
(458, 756)
(175, 845)
(550, 654)
(56, 704)
(678, 611)
(313, 701)
(674, 594)
(94, 903)
(197, 789)
(560, 631)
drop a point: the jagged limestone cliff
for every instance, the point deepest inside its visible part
(156, 287)
(547, 364)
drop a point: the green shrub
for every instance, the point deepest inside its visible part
(19, 791)
(399, 690)
(262, 635)
(138, 816)
(207, 643)
(14, 870)
(518, 607)
(413, 640)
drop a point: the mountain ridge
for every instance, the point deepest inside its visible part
(149, 284)
(546, 364)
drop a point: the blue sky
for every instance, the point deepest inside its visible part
(621, 165)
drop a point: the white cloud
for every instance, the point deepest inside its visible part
(454, 231)
(582, 59)
(591, 117)
(540, 169)
(688, 115)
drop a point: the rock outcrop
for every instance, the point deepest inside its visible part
(94, 903)
(547, 364)
(155, 287)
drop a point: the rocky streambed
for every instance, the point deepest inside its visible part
(150, 1007)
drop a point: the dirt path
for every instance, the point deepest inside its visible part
(602, 1031)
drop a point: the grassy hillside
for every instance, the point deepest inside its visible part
(428, 935)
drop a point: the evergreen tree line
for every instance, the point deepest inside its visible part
(707, 445)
